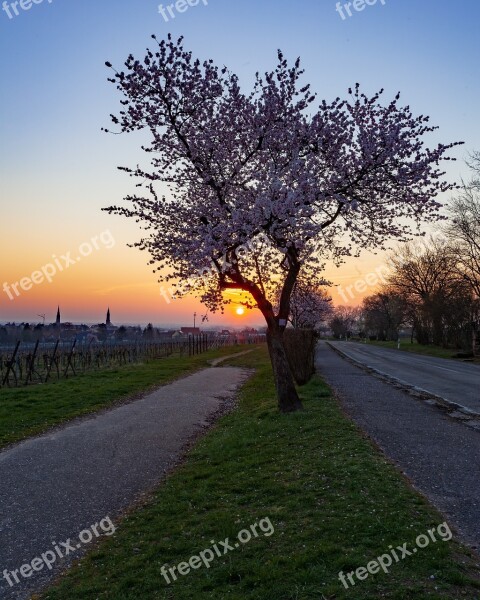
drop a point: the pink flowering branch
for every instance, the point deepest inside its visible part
(313, 178)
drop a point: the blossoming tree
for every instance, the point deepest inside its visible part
(273, 163)
(310, 303)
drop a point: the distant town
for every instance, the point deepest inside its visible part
(11, 333)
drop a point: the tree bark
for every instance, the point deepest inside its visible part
(288, 400)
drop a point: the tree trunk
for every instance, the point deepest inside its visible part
(288, 400)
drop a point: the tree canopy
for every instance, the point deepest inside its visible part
(313, 178)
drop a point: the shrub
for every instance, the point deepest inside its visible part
(300, 348)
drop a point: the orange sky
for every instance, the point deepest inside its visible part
(44, 226)
(59, 169)
(113, 275)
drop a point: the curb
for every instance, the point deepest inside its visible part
(452, 409)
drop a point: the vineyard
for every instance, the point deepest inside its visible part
(41, 362)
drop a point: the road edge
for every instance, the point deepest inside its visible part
(452, 409)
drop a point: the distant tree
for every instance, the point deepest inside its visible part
(384, 313)
(102, 332)
(38, 331)
(344, 321)
(268, 165)
(148, 332)
(27, 333)
(438, 300)
(121, 333)
(135, 332)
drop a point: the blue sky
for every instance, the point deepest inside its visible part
(59, 169)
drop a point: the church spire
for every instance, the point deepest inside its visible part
(57, 322)
(108, 317)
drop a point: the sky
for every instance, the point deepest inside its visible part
(58, 169)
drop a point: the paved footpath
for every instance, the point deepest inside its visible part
(55, 486)
(441, 456)
(455, 381)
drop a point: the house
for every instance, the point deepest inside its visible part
(190, 330)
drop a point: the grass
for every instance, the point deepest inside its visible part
(426, 350)
(334, 502)
(27, 411)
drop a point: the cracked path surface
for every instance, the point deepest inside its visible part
(440, 456)
(54, 486)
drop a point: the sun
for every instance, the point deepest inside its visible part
(240, 311)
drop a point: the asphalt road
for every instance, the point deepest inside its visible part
(441, 456)
(457, 382)
(55, 486)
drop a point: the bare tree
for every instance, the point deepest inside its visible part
(344, 321)
(384, 313)
(425, 275)
(463, 228)
(463, 233)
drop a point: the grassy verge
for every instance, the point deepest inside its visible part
(26, 411)
(429, 350)
(334, 502)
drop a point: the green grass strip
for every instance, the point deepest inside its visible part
(27, 411)
(425, 350)
(334, 501)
